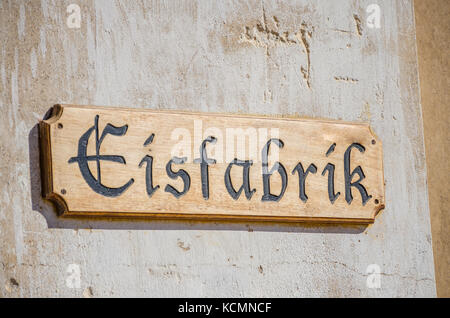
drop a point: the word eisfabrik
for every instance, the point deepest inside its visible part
(82, 159)
(226, 307)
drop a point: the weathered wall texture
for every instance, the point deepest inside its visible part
(306, 58)
(433, 44)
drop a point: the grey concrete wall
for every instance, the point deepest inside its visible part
(226, 56)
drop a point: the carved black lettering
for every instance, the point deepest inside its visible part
(331, 149)
(331, 194)
(82, 159)
(266, 174)
(180, 173)
(302, 174)
(349, 176)
(246, 164)
(148, 175)
(149, 140)
(149, 169)
(204, 162)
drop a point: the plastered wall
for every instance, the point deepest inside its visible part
(300, 58)
(433, 34)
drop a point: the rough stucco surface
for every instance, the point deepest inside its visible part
(199, 56)
(433, 44)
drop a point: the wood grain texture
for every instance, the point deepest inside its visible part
(238, 136)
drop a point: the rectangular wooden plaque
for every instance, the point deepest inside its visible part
(100, 161)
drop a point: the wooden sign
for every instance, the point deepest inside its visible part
(99, 161)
